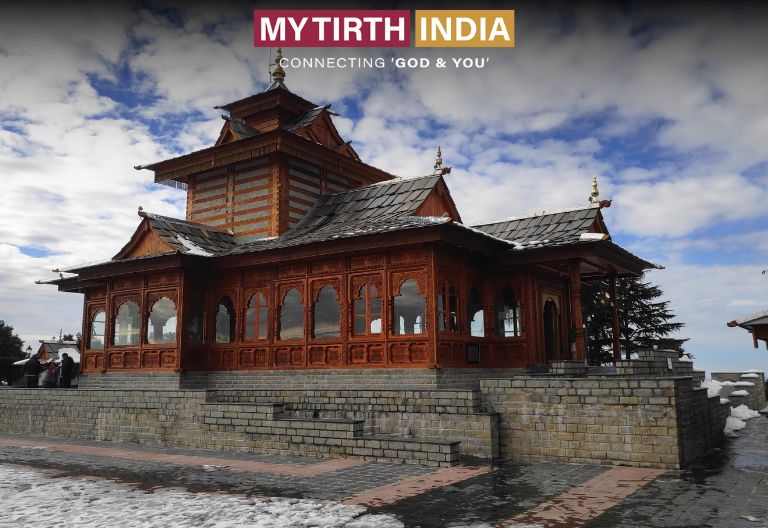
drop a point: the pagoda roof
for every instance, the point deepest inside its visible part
(556, 228)
(755, 319)
(380, 208)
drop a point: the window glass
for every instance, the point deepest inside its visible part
(127, 324)
(195, 325)
(453, 309)
(292, 316)
(367, 311)
(408, 310)
(98, 324)
(161, 326)
(475, 313)
(508, 320)
(256, 317)
(225, 321)
(326, 321)
(250, 319)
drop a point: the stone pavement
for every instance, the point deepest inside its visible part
(727, 489)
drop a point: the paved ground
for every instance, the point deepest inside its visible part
(727, 489)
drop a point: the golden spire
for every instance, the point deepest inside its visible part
(278, 74)
(438, 161)
(595, 196)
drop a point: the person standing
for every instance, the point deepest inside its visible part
(67, 370)
(32, 369)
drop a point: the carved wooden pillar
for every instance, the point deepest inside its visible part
(578, 324)
(614, 319)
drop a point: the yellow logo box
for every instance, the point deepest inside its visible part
(465, 28)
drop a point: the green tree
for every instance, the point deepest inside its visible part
(11, 349)
(11, 345)
(71, 337)
(644, 319)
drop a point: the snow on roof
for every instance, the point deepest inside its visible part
(192, 248)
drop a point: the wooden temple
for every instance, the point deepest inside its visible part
(295, 254)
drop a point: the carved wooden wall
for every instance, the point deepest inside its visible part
(431, 269)
(144, 290)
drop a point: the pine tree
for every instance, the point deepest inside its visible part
(11, 349)
(11, 345)
(644, 320)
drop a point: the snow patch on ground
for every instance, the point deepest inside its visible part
(98, 503)
(742, 412)
(714, 387)
(732, 425)
(735, 422)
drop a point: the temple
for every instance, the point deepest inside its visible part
(296, 255)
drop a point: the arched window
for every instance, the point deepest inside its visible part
(225, 321)
(475, 314)
(161, 326)
(508, 320)
(127, 324)
(98, 325)
(408, 310)
(292, 316)
(447, 308)
(195, 325)
(367, 311)
(256, 317)
(325, 321)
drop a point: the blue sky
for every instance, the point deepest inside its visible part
(667, 107)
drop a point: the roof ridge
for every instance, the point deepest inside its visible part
(542, 213)
(207, 227)
(393, 181)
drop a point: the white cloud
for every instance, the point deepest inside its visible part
(675, 207)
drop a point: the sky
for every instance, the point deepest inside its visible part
(667, 106)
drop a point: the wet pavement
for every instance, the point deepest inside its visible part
(726, 489)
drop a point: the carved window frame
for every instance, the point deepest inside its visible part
(92, 311)
(250, 294)
(282, 291)
(500, 329)
(218, 298)
(449, 321)
(316, 286)
(117, 302)
(152, 299)
(397, 280)
(357, 283)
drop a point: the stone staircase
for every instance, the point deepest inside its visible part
(414, 427)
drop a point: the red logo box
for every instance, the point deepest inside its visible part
(332, 28)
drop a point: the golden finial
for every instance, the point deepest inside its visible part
(595, 196)
(278, 74)
(439, 161)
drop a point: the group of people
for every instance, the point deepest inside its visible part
(51, 375)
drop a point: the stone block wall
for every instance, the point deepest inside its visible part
(305, 379)
(697, 428)
(654, 422)
(194, 419)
